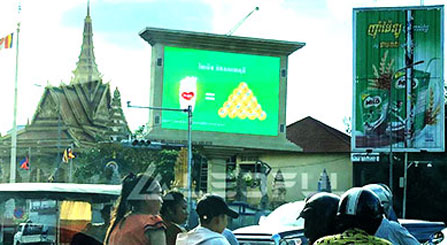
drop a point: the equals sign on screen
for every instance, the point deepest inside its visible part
(209, 96)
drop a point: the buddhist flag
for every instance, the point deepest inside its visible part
(68, 154)
(24, 164)
(6, 42)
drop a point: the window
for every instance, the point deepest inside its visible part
(304, 181)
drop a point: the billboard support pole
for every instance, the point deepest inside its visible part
(404, 201)
(189, 169)
(391, 140)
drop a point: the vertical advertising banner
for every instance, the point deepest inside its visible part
(398, 101)
(228, 92)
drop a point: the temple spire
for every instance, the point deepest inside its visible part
(86, 68)
(88, 8)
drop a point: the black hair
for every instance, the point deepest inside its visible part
(123, 203)
(170, 200)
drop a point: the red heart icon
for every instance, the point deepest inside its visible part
(188, 95)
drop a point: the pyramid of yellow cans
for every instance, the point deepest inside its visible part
(242, 104)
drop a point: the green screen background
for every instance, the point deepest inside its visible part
(261, 75)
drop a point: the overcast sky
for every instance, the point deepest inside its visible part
(319, 75)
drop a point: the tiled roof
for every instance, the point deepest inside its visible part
(317, 137)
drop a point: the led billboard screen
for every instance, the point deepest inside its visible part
(398, 86)
(229, 92)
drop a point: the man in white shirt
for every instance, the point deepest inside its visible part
(213, 213)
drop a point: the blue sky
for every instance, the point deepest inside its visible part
(319, 76)
(121, 22)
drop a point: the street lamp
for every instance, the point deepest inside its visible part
(189, 111)
(416, 164)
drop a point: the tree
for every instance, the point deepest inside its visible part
(91, 165)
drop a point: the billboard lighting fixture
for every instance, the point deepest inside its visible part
(416, 164)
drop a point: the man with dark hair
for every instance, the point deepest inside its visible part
(174, 212)
(213, 213)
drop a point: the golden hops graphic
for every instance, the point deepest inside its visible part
(243, 104)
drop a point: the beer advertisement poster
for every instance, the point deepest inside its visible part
(228, 92)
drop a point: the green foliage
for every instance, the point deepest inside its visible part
(91, 164)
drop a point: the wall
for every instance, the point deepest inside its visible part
(296, 166)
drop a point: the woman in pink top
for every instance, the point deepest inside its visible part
(136, 220)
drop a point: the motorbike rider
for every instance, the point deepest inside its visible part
(359, 215)
(319, 214)
(389, 229)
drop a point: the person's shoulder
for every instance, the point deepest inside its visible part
(231, 238)
(402, 234)
(203, 236)
(397, 228)
(150, 222)
(396, 225)
(173, 229)
(228, 233)
(216, 241)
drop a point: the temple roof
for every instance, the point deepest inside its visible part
(66, 115)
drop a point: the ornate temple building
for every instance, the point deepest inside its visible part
(77, 115)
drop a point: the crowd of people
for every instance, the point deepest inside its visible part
(142, 215)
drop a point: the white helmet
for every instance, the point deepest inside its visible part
(385, 195)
